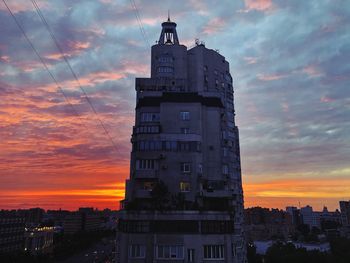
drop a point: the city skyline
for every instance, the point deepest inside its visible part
(288, 62)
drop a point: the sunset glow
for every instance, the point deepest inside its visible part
(290, 67)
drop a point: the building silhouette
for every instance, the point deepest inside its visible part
(184, 198)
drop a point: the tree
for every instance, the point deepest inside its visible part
(288, 253)
(251, 254)
(160, 196)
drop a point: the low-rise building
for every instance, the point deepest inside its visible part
(265, 224)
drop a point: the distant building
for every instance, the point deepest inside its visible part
(33, 216)
(309, 218)
(294, 212)
(345, 212)
(11, 231)
(85, 220)
(57, 216)
(326, 217)
(39, 240)
(73, 223)
(91, 222)
(265, 224)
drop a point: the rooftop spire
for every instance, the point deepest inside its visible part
(168, 36)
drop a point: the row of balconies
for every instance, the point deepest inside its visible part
(142, 193)
(161, 84)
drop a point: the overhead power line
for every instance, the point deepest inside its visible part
(41, 59)
(139, 21)
(44, 21)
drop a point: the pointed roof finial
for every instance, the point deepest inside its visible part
(168, 15)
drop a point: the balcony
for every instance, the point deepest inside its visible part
(161, 84)
(216, 193)
(146, 129)
(141, 193)
(147, 174)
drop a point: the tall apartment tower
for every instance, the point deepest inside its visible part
(184, 199)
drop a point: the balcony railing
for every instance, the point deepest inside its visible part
(146, 174)
(161, 84)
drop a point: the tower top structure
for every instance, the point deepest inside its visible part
(168, 36)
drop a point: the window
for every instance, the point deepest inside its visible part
(165, 59)
(148, 186)
(217, 227)
(185, 167)
(190, 255)
(170, 252)
(225, 169)
(150, 117)
(147, 129)
(214, 252)
(137, 251)
(145, 164)
(184, 187)
(200, 168)
(185, 130)
(185, 146)
(225, 151)
(165, 69)
(185, 115)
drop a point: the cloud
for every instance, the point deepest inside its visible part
(289, 61)
(260, 5)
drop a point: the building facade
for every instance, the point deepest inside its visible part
(184, 198)
(345, 212)
(39, 240)
(12, 228)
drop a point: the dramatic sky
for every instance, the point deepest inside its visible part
(290, 63)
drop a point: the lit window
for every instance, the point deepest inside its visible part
(184, 187)
(185, 115)
(137, 251)
(214, 252)
(185, 167)
(170, 252)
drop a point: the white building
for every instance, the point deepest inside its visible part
(309, 217)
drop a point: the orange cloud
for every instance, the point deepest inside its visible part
(260, 5)
(214, 25)
(271, 77)
(312, 71)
